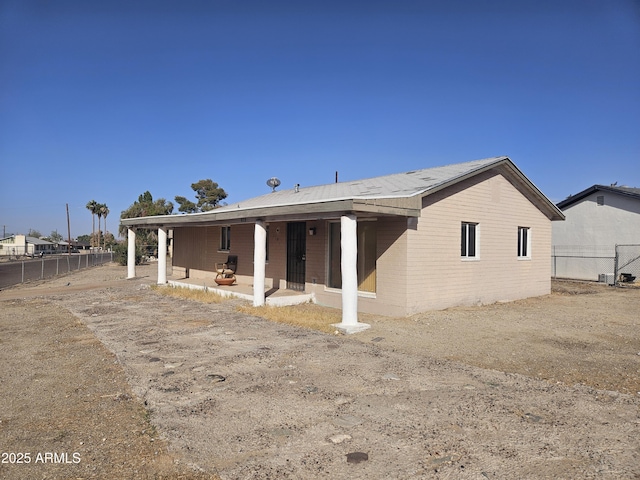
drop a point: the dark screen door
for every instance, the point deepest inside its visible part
(296, 255)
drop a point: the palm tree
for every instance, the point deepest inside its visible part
(105, 211)
(99, 207)
(92, 206)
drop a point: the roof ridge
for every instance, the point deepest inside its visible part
(397, 174)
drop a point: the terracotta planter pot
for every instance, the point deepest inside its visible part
(225, 281)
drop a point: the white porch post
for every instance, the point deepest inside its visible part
(259, 263)
(349, 269)
(131, 253)
(162, 256)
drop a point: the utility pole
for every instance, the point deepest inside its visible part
(68, 232)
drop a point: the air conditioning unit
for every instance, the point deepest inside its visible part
(607, 278)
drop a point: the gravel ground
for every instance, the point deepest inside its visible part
(140, 385)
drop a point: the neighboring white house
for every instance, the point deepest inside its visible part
(17, 245)
(597, 219)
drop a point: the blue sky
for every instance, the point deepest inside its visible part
(104, 100)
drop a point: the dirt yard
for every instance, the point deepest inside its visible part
(103, 377)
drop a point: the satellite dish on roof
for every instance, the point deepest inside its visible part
(273, 182)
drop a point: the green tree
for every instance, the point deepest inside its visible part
(85, 239)
(208, 194)
(34, 233)
(186, 206)
(109, 240)
(146, 206)
(55, 237)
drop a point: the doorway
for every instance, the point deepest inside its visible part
(296, 255)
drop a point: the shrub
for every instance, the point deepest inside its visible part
(120, 251)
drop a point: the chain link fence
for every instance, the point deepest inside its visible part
(15, 272)
(582, 262)
(627, 263)
(595, 263)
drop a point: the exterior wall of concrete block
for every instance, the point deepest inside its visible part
(276, 268)
(391, 263)
(242, 246)
(318, 266)
(316, 263)
(193, 247)
(198, 249)
(438, 277)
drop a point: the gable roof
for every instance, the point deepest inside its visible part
(38, 241)
(396, 194)
(631, 192)
(397, 185)
(28, 239)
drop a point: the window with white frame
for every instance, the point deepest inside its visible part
(469, 240)
(225, 238)
(524, 242)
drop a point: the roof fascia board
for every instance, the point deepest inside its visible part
(578, 196)
(307, 211)
(544, 204)
(591, 190)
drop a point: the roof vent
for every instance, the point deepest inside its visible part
(273, 182)
(296, 187)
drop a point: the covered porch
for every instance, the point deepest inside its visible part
(322, 251)
(254, 285)
(277, 297)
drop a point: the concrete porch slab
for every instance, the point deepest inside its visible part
(273, 297)
(348, 329)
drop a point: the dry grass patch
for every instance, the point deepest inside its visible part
(204, 296)
(306, 315)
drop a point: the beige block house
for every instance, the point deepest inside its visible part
(464, 234)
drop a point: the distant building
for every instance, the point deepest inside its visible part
(80, 245)
(17, 245)
(597, 219)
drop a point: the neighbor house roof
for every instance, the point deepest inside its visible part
(38, 241)
(397, 194)
(28, 239)
(631, 192)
